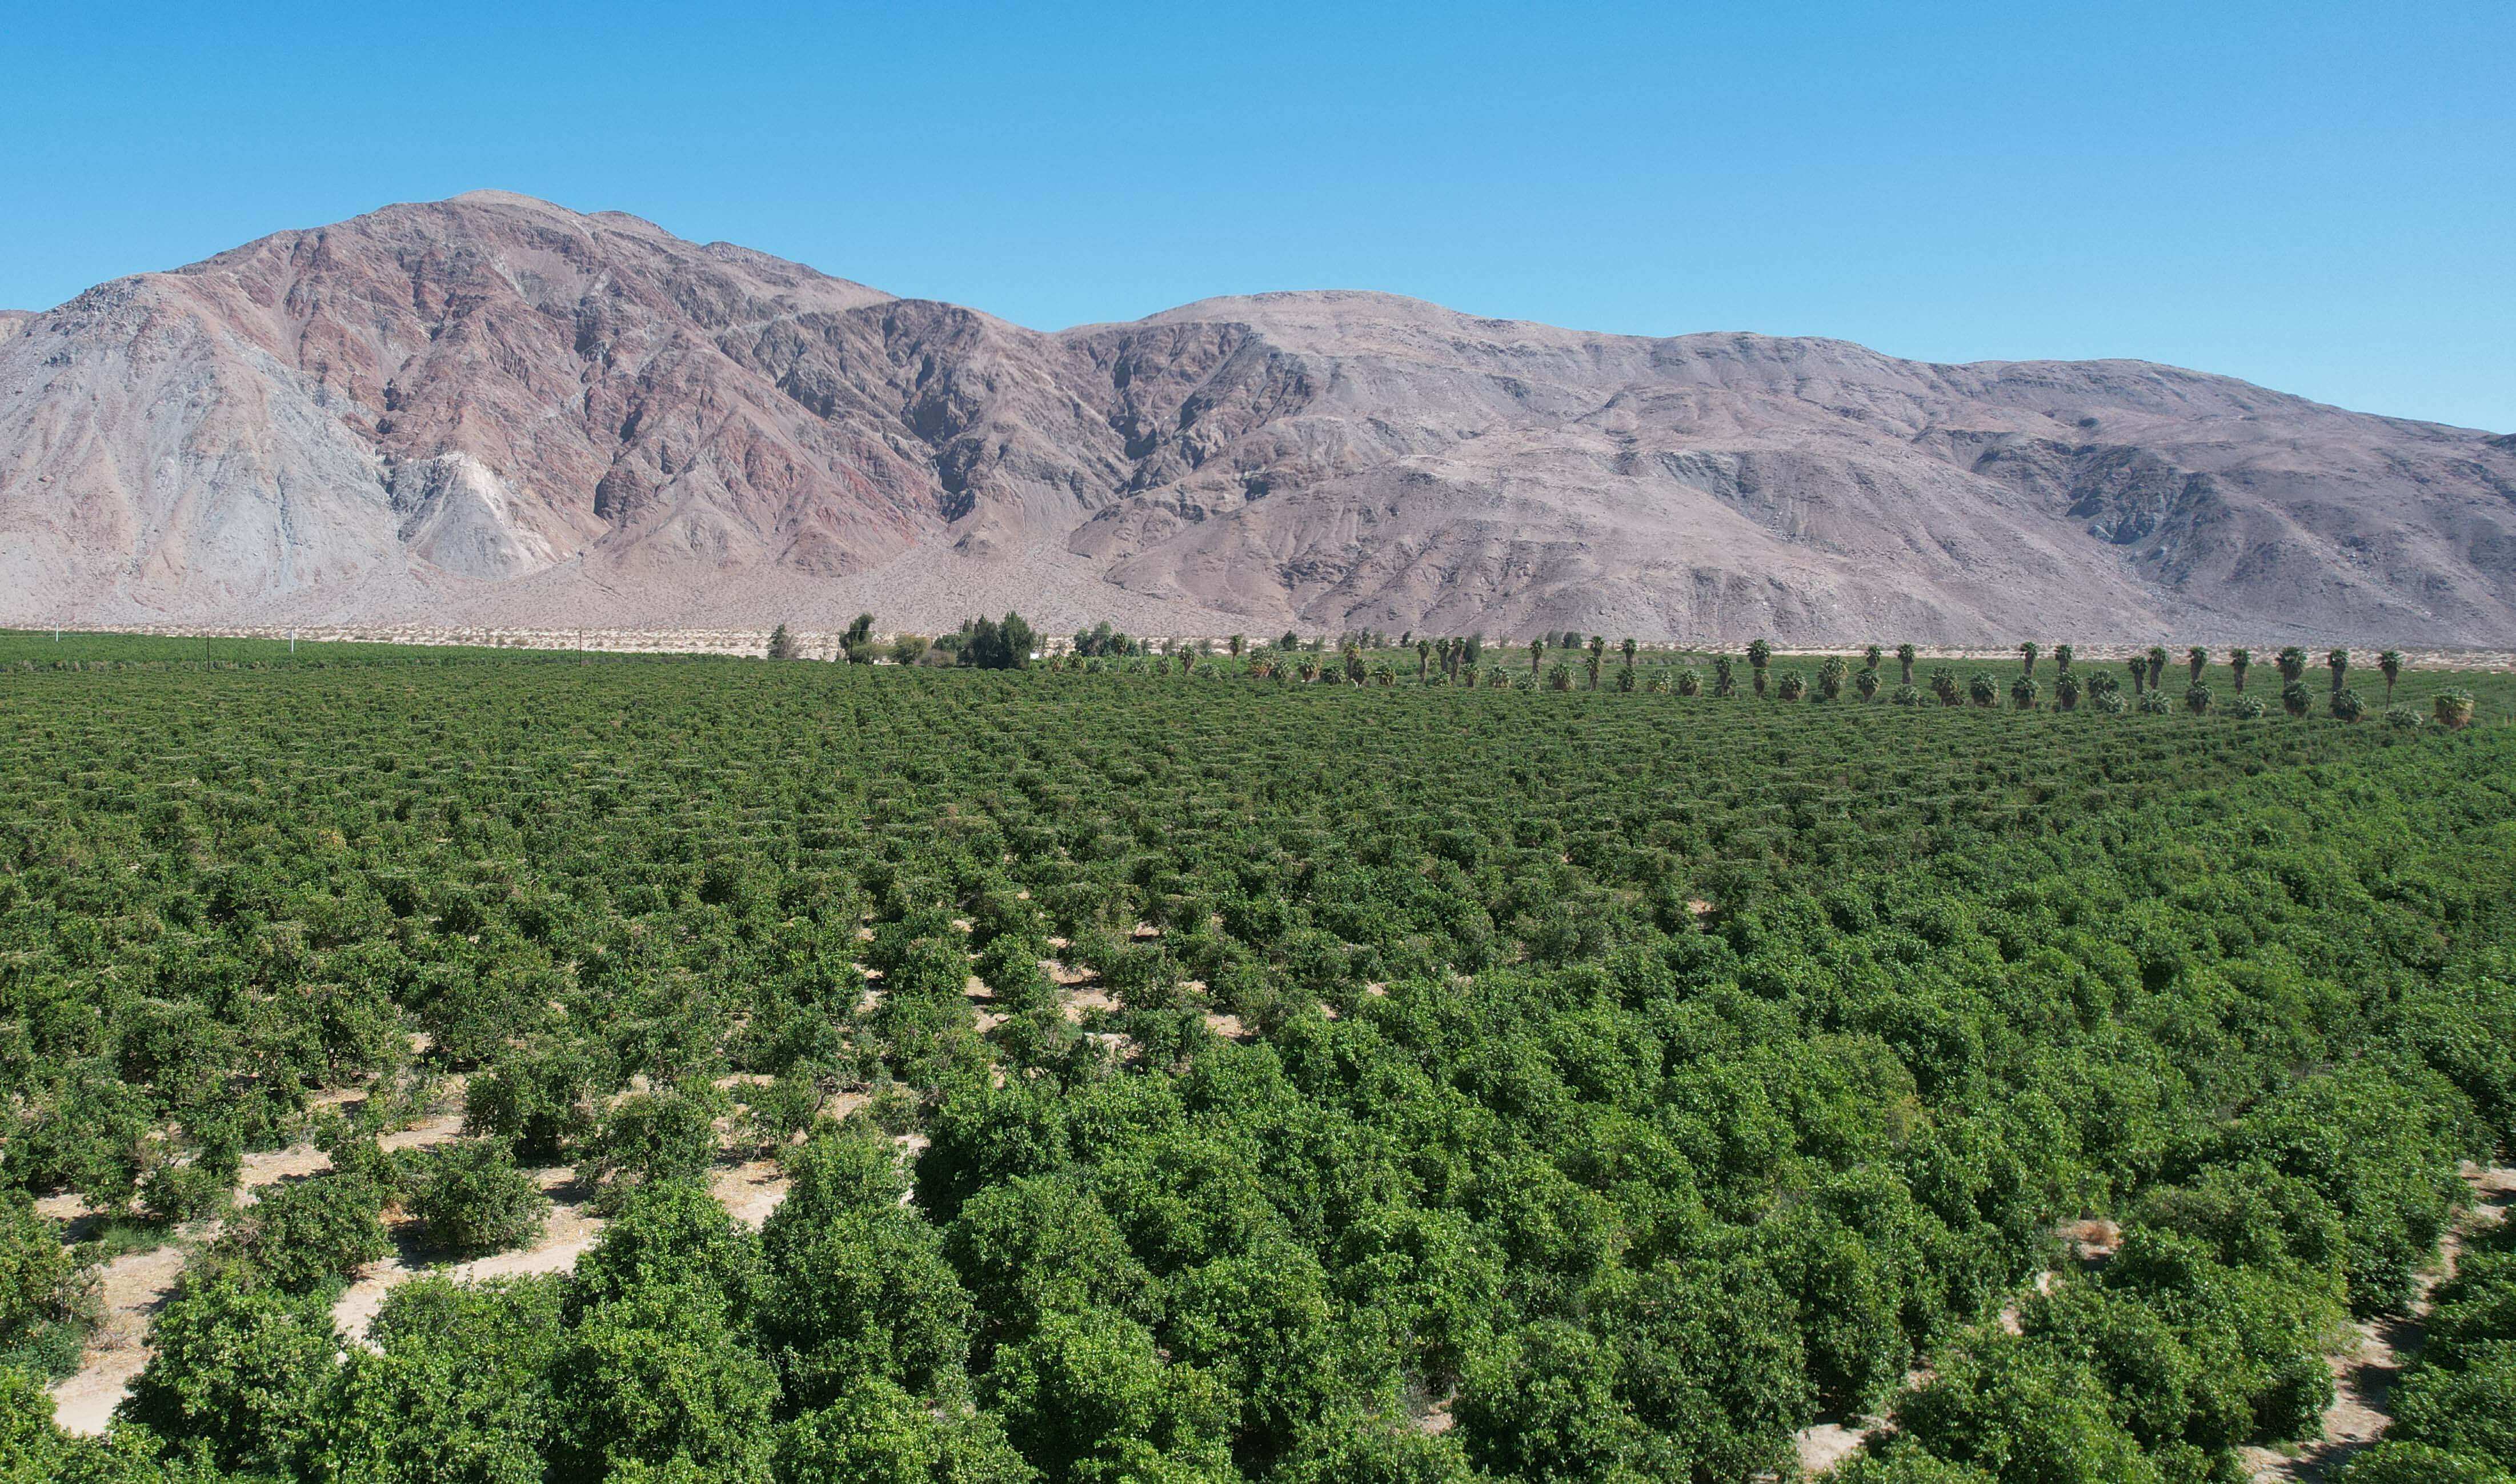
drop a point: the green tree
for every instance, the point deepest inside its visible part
(876, 1433)
(2022, 694)
(2239, 661)
(658, 1379)
(2063, 654)
(781, 644)
(2026, 653)
(1088, 1396)
(2156, 665)
(1792, 685)
(1905, 664)
(2196, 659)
(1983, 691)
(651, 1138)
(2292, 664)
(1759, 655)
(2296, 699)
(1872, 657)
(456, 1390)
(470, 1200)
(2338, 662)
(2347, 706)
(237, 1370)
(1829, 678)
(2389, 663)
(2453, 709)
(2197, 700)
(312, 1235)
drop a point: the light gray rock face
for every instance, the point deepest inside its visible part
(491, 410)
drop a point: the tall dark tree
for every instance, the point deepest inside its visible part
(781, 644)
(2339, 662)
(991, 644)
(2063, 654)
(2292, 664)
(1759, 655)
(2239, 660)
(1872, 657)
(2156, 665)
(2027, 652)
(1905, 664)
(2390, 665)
(2199, 658)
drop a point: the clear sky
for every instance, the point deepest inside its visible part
(2317, 196)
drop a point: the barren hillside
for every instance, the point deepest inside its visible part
(491, 410)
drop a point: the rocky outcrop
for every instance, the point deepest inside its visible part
(492, 410)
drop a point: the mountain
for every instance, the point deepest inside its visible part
(491, 410)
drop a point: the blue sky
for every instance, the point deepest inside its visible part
(2319, 197)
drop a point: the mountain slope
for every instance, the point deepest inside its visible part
(491, 410)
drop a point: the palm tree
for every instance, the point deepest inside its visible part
(1829, 678)
(1560, 677)
(1943, 684)
(2065, 689)
(2198, 699)
(2139, 669)
(1981, 688)
(1905, 664)
(2390, 664)
(1625, 680)
(2452, 708)
(1791, 686)
(2292, 664)
(1590, 662)
(1383, 673)
(1536, 657)
(2339, 660)
(2239, 662)
(2199, 659)
(1423, 659)
(1628, 647)
(1759, 655)
(1237, 643)
(1689, 683)
(2347, 706)
(2022, 692)
(1308, 671)
(2294, 698)
(1867, 681)
(2027, 652)
(2063, 654)
(1725, 678)
(2157, 665)
(1468, 674)
(1872, 656)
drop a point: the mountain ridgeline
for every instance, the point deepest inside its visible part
(491, 410)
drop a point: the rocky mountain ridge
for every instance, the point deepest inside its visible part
(491, 410)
